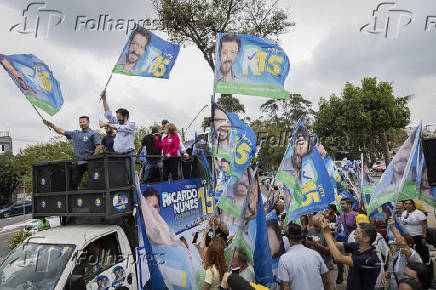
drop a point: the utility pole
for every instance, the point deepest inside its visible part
(24, 200)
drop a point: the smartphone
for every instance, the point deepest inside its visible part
(236, 270)
(194, 240)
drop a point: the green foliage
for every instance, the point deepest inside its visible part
(57, 149)
(17, 239)
(10, 174)
(199, 21)
(274, 132)
(361, 118)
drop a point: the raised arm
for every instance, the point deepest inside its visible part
(51, 125)
(103, 98)
(334, 251)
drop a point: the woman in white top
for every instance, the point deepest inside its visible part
(215, 266)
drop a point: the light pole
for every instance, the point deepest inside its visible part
(24, 200)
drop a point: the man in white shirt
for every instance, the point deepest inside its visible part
(300, 267)
(415, 224)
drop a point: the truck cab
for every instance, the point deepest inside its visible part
(71, 257)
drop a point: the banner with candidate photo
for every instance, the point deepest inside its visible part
(233, 143)
(163, 261)
(35, 80)
(147, 55)
(304, 174)
(182, 204)
(250, 65)
(399, 180)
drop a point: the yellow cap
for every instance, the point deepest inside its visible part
(361, 218)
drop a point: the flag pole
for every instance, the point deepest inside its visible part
(39, 114)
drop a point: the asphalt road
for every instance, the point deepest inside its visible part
(8, 227)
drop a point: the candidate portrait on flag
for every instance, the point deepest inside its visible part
(250, 65)
(147, 55)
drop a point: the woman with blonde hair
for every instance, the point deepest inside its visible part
(170, 149)
(215, 266)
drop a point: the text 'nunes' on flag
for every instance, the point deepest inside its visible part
(250, 65)
(147, 55)
(304, 175)
(35, 81)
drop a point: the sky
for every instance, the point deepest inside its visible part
(326, 48)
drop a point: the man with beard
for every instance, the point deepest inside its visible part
(229, 48)
(138, 43)
(223, 129)
(86, 142)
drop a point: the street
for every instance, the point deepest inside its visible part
(8, 227)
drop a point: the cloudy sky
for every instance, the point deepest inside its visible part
(326, 48)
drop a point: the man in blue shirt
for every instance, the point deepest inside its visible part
(86, 142)
(108, 140)
(364, 264)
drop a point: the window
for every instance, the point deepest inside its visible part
(98, 256)
(3, 148)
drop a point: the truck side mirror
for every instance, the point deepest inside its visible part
(75, 282)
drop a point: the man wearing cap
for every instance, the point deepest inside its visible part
(364, 263)
(301, 267)
(380, 245)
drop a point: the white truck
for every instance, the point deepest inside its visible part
(71, 257)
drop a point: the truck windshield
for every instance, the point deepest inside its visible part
(34, 266)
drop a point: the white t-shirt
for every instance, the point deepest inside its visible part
(302, 267)
(212, 277)
(412, 222)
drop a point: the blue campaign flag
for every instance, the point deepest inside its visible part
(35, 80)
(233, 141)
(147, 55)
(399, 180)
(250, 65)
(304, 173)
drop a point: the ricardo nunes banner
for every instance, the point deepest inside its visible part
(147, 55)
(182, 204)
(35, 81)
(250, 65)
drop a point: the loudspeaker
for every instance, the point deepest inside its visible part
(429, 149)
(117, 170)
(50, 177)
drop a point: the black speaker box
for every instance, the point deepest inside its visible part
(117, 171)
(50, 177)
(429, 149)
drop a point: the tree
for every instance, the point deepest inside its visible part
(10, 175)
(274, 132)
(56, 149)
(199, 21)
(363, 117)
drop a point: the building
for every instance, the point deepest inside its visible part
(5, 142)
